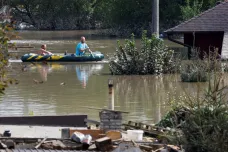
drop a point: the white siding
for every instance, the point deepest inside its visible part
(225, 46)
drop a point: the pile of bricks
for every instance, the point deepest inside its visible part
(110, 120)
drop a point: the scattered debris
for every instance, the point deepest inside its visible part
(37, 82)
(92, 147)
(150, 130)
(63, 83)
(7, 133)
(40, 143)
(107, 136)
(87, 140)
(10, 144)
(127, 146)
(2, 145)
(77, 136)
(54, 144)
(104, 144)
(114, 135)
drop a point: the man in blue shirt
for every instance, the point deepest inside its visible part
(82, 47)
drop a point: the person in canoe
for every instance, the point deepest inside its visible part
(43, 50)
(82, 47)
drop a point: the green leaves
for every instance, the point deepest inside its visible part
(53, 14)
(6, 32)
(152, 58)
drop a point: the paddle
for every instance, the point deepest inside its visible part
(89, 51)
(92, 54)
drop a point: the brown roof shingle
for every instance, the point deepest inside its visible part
(214, 19)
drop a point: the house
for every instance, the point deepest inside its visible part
(207, 30)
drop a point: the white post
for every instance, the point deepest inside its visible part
(155, 17)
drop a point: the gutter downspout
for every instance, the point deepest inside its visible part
(178, 42)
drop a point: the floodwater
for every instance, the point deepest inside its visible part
(66, 87)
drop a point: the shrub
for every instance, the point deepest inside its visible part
(196, 70)
(201, 121)
(152, 58)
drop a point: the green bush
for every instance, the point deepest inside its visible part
(152, 58)
(201, 122)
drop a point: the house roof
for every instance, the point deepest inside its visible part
(214, 19)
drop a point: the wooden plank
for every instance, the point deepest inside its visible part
(61, 121)
(146, 126)
(104, 109)
(37, 146)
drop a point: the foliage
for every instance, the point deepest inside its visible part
(53, 15)
(202, 119)
(121, 16)
(6, 33)
(205, 129)
(194, 71)
(125, 16)
(170, 13)
(152, 58)
(191, 10)
(173, 117)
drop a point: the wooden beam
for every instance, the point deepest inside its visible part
(104, 109)
(37, 146)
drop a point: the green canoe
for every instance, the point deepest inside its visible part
(31, 57)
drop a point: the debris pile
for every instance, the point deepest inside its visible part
(110, 136)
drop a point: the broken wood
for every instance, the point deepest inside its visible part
(104, 144)
(92, 147)
(136, 145)
(58, 145)
(114, 135)
(41, 143)
(145, 147)
(3, 145)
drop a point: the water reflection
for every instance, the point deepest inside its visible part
(83, 71)
(146, 96)
(44, 70)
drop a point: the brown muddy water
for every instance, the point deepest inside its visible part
(145, 97)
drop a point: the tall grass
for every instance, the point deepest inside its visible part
(197, 69)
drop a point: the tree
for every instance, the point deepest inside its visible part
(195, 7)
(6, 33)
(53, 14)
(191, 9)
